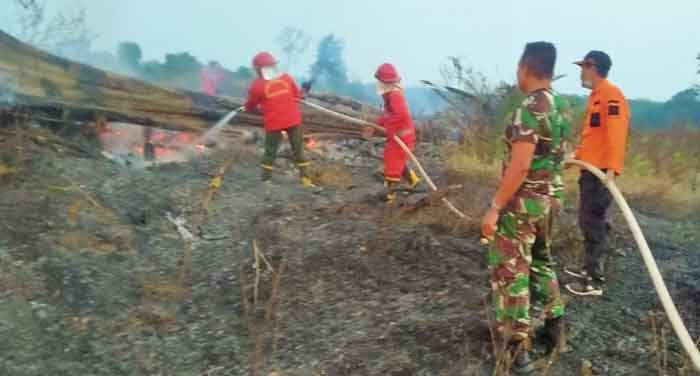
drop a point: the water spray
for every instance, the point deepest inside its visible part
(214, 131)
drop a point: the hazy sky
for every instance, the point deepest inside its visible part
(653, 44)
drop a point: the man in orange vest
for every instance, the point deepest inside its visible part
(603, 143)
(278, 97)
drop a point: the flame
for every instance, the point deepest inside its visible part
(129, 139)
(311, 144)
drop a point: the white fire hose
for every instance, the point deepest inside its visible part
(401, 144)
(656, 278)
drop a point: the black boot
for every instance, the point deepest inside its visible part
(266, 174)
(522, 363)
(553, 335)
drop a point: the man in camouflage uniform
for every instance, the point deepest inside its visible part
(519, 221)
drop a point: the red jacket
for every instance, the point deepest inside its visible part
(278, 100)
(397, 117)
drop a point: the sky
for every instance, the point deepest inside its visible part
(653, 44)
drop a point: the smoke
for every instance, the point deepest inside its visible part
(7, 90)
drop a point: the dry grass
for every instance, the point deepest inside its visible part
(665, 358)
(662, 177)
(261, 318)
(162, 290)
(663, 172)
(476, 181)
(332, 174)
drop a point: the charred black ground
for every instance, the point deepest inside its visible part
(94, 279)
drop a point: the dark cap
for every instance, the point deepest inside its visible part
(597, 58)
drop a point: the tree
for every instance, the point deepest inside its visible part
(329, 70)
(64, 33)
(684, 107)
(129, 55)
(293, 42)
(470, 93)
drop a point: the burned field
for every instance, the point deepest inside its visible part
(99, 275)
(146, 251)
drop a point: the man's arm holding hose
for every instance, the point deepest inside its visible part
(513, 178)
(253, 99)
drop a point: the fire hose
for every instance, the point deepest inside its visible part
(401, 144)
(656, 278)
(647, 256)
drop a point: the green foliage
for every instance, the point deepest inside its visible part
(181, 70)
(682, 108)
(329, 71)
(244, 73)
(293, 42)
(129, 55)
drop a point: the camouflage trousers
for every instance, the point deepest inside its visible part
(521, 265)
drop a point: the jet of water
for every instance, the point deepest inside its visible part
(213, 132)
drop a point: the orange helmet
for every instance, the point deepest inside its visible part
(264, 59)
(387, 74)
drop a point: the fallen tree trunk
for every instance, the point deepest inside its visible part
(60, 89)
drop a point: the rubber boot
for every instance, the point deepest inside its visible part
(412, 178)
(266, 173)
(304, 175)
(521, 360)
(307, 182)
(523, 364)
(390, 197)
(553, 334)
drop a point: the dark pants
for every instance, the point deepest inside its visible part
(594, 204)
(272, 144)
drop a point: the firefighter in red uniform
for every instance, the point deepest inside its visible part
(278, 97)
(396, 121)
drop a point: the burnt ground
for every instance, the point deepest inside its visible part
(95, 280)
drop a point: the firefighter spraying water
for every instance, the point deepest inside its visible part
(277, 95)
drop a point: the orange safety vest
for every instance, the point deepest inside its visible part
(605, 128)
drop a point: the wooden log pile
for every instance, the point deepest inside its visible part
(37, 82)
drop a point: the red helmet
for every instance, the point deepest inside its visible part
(387, 74)
(264, 59)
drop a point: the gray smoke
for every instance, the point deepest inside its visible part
(7, 86)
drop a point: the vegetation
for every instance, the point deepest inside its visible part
(662, 174)
(293, 42)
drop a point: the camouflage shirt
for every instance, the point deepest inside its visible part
(544, 119)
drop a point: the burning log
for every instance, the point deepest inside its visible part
(59, 89)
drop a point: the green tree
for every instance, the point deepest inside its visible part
(129, 55)
(64, 32)
(293, 42)
(684, 107)
(329, 70)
